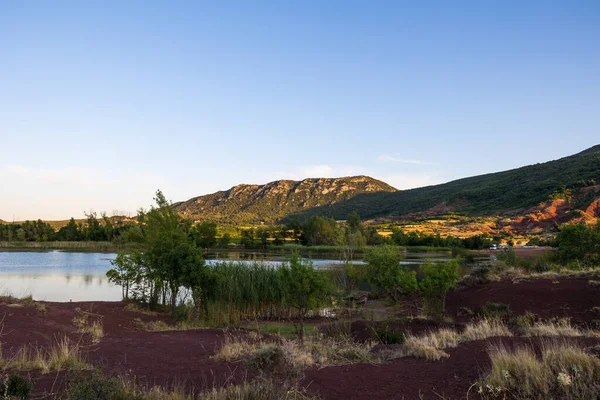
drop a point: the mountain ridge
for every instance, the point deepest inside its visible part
(498, 192)
(267, 203)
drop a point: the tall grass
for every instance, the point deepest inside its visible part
(246, 292)
(62, 355)
(564, 371)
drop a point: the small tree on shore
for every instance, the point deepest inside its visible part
(438, 279)
(388, 274)
(305, 289)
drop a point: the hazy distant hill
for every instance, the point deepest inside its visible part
(276, 200)
(513, 190)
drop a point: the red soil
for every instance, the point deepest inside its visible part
(185, 357)
(573, 298)
(161, 358)
(409, 378)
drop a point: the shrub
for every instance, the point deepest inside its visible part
(387, 274)
(437, 280)
(95, 386)
(266, 358)
(385, 334)
(495, 311)
(16, 387)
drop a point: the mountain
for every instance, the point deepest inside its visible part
(511, 191)
(245, 204)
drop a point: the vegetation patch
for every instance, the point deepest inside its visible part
(89, 324)
(564, 371)
(560, 327)
(62, 355)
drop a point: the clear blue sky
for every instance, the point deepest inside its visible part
(103, 102)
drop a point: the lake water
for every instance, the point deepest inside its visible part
(70, 276)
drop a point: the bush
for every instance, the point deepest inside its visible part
(495, 311)
(387, 274)
(385, 334)
(267, 358)
(95, 387)
(437, 280)
(16, 386)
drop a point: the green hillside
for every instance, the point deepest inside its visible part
(252, 204)
(491, 193)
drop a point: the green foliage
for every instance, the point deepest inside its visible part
(495, 311)
(476, 242)
(387, 273)
(96, 387)
(509, 190)
(15, 387)
(579, 243)
(270, 203)
(305, 288)
(385, 333)
(205, 234)
(438, 279)
(321, 231)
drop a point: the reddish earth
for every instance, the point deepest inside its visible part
(410, 378)
(161, 358)
(573, 297)
(185, 357)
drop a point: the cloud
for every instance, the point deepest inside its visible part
(396, 159)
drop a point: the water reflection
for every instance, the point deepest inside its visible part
(68, 276)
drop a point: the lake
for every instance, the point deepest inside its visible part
(70, 276)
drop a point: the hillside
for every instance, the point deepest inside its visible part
(510, 191)
(273, 201)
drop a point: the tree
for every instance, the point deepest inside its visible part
(224, 240)
(438, 279)
(205, 234)
(579, 242)
(169, 249)
(353, 221)
(127, 272)
(305, 289)
(388, 274)
(321, 231)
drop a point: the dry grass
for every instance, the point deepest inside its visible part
(430, 346)
(161, 326)
(62, 355)
(87, 324)
(564, 371)
(133, 307)
(484, 329)
(561, 327)
(316, 351)
(256, 390)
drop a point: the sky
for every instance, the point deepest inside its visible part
(104, 102)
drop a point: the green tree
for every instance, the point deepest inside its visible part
(579, 242)
(305, 289)
(387, 273)
(438, 279)
(205, 234)
(224, 240)
(353, 221)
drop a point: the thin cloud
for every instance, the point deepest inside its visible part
(390, 158)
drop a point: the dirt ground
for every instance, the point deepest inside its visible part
(185, 357)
